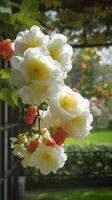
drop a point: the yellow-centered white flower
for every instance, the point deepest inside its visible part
(37, 66)
(49, 159)
(61, 51)
(79, 126)
(29, 39)
(36, 70)
(68, 104)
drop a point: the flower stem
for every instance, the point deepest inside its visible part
(39, 124)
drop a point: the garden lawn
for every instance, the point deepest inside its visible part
(84, 194)
(95, 137)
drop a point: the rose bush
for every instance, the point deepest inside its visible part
(51, 110)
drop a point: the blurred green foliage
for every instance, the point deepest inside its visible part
(79, 161)
(17, 16)
(88, 23)
(88, 76)
(81, 23)
(98, 136)
(82, 194)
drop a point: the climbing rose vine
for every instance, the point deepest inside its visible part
(52, 110)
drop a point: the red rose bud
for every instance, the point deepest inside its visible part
(30, 114)
(33, 144)
(31, 110)
(59, 136)
(28, 119)
(6, 49)
(50, 142)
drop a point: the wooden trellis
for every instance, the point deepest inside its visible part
(8, 164)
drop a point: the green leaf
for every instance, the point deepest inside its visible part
(30, 22)
(15, 99)
(29, 6)
(51, 129)
(15, 5)
(10, 97)
(5, 83)
(7, 96)
(25, 18)
(5, 73)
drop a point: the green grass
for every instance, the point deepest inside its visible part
(96, 136)
(84, 194)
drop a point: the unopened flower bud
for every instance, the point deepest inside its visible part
(6, 49)
(32, 145)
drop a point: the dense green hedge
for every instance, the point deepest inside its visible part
(89, 161)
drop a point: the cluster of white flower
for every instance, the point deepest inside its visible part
(40, 64)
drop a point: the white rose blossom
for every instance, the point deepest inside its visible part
(28, 39)
(37, 66)
(61, 51)
(79, 126)
(49, 159)
(68, 103)
(36, 71)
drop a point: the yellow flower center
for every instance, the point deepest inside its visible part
(47, 156)
(77, 121)
(67, 102)
(54, 52)
(37, 70)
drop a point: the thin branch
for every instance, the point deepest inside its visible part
(91, 45)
